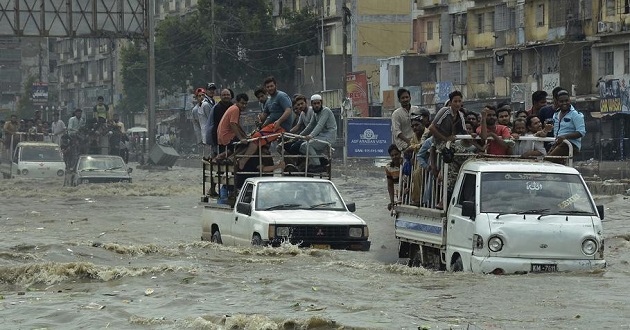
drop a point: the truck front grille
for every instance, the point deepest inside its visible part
(311, 232)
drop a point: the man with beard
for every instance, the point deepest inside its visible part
(277, 117)
(214, 119)
(401, 120)
(499, 133)
(304, 112)
(322, 127)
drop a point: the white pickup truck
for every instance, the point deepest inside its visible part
(505, 217)
(305, 211)
(33, 160)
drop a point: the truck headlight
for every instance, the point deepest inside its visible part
(84, 181)
(24, 172)
(283, 231)
(495, 244)
(589, 246)
(355, 232)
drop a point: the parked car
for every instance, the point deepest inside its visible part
(101, 169)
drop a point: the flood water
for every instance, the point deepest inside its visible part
(130, 256)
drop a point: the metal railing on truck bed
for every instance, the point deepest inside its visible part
(218, 172)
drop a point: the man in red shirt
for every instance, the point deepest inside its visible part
(229, 129)
(497, 133)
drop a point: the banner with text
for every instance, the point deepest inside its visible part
(39, 93)
(356, 84)
(369, 137)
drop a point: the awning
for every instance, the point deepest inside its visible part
(137, 130)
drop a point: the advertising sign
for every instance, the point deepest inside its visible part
(614, 96)
(428, 93)
(39, 93)
(369, 137)
(442, 89)
(356, 84)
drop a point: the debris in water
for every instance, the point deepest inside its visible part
(97, 244)
(577, 316)
(100, 235)
(93, 306)
(70, 251)
(21, 293)
(148, 292)
(314, 288)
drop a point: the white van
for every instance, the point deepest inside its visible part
(34, 160)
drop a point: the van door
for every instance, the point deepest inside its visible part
(242, 223)
(459, 238)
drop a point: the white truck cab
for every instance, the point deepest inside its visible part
(34, 160)
(506, 216)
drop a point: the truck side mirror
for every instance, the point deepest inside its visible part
(351, 207)
(129, 170)
(468, 210)
(244, 208)
(600, 210)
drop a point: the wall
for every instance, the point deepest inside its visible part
(533, 32)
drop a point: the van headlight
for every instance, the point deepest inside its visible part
(283, 231)
(24, 172)
(495, 244)
(589, 246)
(355, 232)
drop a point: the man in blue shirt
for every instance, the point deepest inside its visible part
(568, 124)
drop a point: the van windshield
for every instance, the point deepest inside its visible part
(503, 192)
(41, 154)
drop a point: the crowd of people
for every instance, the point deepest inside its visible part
(102, 134)
(495, 131)
(218, 128)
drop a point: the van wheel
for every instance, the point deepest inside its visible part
(457, 265)
(256, 240)
(216, 237)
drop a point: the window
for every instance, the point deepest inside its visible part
(247, 194)
(490, 21)
(480, 23)
(586, 58)
(393, 75)
(610, 7)
(517, 65)
(608, 63)
(430, 30)
(626, 61)
(479, 73)
(467, 192)
(540, 15)
(327, 36)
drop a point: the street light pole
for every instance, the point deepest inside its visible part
(151, 71)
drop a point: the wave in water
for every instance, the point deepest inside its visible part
(261, 322)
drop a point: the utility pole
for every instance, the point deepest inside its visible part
(151, 72)
(112, 43)
(214, 49)
(323, 49)
(346, 15)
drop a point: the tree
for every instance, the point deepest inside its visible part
(25, 107)
(134, 78)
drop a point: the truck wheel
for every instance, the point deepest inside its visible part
(457, 265)
(216, 237)
(256, 240)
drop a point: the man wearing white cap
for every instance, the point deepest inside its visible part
(322, 126)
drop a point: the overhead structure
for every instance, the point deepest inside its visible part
(73, 18)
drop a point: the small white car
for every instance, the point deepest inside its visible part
(35, 160)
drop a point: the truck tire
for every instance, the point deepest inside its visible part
(456, 264)
(216, 238)
(256, 240)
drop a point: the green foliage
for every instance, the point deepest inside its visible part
(134, 77)
(25, 108)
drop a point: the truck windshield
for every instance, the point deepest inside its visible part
(41, 154)
(539, 193)
(286, 195)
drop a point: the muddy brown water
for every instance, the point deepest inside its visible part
(130, 256)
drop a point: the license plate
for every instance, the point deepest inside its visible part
(321, 246)
(544, 268)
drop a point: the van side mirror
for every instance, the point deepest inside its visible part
(129, 170)
(351, 207)
(600, 210)
(468, 210)
(244, 208)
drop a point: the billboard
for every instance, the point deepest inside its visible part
(39, 93)
(614, 95)
(356, 84)
(369, 137)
